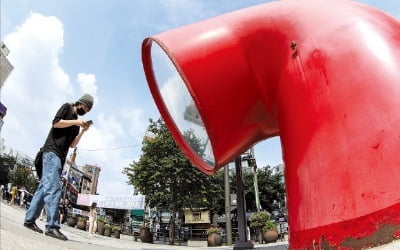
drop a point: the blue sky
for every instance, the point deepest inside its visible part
(62, 49)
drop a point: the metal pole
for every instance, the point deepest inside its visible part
(257, 199)
(242, 225)
(256, 191)
(256, 188)
(228, 207)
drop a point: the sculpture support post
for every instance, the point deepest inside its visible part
(242, 243)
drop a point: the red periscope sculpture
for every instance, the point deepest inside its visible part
(325, 77)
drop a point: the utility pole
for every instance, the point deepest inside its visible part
(65, 183)
(73, 157)
(228, 207)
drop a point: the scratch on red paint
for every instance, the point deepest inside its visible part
(376, 146)
(396, 234)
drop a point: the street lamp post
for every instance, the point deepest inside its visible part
(243, 242)
(251, 161)
(253, 164)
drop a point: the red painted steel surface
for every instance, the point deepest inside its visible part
(325, 77)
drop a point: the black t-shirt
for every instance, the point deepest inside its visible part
(60, 139)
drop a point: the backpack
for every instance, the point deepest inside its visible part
(39, 163)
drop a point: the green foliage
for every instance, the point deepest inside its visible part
(18, 171)
(167, 177)
(107, 226)
(259, 219)
(101, 218)
(269, 225)
(116, 214)
(213, 230)
(7, 163)
(271, 188)
(116, 228)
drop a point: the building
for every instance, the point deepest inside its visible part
(79, 180)
(279, 169)
(90, 187)
(5, 70)
(6, 66)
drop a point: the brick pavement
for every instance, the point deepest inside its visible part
(14, 236)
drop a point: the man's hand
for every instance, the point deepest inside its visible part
(68, 123)
(82, 124)
(85, 126)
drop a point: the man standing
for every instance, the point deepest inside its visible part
(65, 133)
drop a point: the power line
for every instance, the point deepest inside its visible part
(110, 149)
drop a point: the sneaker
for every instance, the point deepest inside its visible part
(32, 226)
(55, 233)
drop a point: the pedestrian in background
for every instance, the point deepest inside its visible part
(92, 218)
(67, 208)
(14, 193)
(2, 191)
(62, 211)
(22, 197)
(66, 132)
(8, 193)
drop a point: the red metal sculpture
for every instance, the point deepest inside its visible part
(325, 77)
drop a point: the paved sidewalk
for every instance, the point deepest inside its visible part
(14, 236)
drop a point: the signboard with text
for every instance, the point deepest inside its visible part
(116, 202)
(199, 216)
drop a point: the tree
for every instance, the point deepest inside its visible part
(23, 176)
(269, 185)
(7, 163)
(271, 188)
(168, 179)
(18, 171)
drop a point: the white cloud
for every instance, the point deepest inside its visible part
(87, 83)
(108, 145)
(137, 125)
(103, 134)
(116, 188)
(37, 85)
(97, 147)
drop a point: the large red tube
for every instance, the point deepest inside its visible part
(325, 77)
